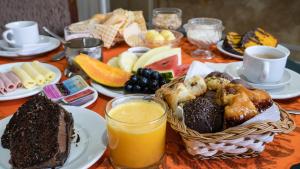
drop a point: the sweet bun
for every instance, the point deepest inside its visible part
(216, 80)
(196, 85)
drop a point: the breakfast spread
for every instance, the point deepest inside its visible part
(237, 43)
(36, 126)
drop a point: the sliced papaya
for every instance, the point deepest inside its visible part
(101, 72)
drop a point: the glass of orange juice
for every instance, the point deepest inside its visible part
(136, 127)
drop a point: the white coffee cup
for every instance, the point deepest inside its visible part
(264, 64)
(21, 33)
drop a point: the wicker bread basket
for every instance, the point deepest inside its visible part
(235, 142)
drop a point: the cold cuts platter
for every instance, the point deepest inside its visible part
(23, 79)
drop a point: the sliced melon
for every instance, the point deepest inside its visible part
(148, 55)
(101, 72)
(163, 55)
(114, 62)
(127, 60)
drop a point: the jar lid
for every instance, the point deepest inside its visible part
(86, 42)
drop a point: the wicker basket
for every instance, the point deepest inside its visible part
(235, 142)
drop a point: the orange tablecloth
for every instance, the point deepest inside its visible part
(282, 153)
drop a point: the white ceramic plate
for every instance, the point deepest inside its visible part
(23, 92)
(91, 129)
(110, 92)
(290, 90)
(220, 48)
(9, 52)
(234, 69)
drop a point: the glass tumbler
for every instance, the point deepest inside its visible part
(136, 127)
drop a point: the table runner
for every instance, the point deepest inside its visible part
(282, 153)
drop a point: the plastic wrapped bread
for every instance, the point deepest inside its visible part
(48, 74)
(34, 74)
(27, 81)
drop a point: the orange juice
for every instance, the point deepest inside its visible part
(136, 133)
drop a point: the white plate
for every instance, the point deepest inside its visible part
(234, 69)
(51, 44)
(23, 92)
(220, 48)
(290, 90)
(91, 128)
(110, 92)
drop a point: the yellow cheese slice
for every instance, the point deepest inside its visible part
(26, 80)
(35, 75)
(48, 74)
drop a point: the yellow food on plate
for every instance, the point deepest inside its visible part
(168, 35)
(34, 74)
(150, 35)
(48, 74)
(26, 80)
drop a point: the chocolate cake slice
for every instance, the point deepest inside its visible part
(38, 135)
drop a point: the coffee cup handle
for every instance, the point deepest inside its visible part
(265, 71)
(5, 36)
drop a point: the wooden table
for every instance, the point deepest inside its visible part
(282, 153)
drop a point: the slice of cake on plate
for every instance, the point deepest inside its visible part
(38, 135)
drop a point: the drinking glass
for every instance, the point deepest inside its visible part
(136, 144)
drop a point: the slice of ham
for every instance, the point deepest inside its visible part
(14, 79)
(2, 87)
(9, 85)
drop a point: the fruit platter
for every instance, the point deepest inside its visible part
(128, 74)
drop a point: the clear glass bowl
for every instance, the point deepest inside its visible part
(172, 43)
(203, 32)
(166, 18)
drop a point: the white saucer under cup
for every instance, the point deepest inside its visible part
(264, 64)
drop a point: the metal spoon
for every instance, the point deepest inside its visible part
(58, 56)
(55, 35)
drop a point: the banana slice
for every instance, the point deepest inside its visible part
(127, 60)
(114, 62)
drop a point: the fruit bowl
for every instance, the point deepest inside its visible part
(163, 38)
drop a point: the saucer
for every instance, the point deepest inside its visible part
(234, 69)
(46, 44)
(43, 41)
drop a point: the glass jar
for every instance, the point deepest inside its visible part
(136, 129)
(167, 18)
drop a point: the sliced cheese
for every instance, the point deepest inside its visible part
(34, 74)
(148, 55)
(48, 74)
(26, 80)
(163, 55)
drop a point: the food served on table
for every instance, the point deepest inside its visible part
(157, 38)
(145, 81)
(166, 18)
(101, 72)
(237, 43)
(28, 75)
(39, 134)
(74, 91)
(136, 127)
(111, 27)
(215, 102)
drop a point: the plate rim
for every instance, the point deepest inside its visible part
(86, 111)
(35, 90)
(105, 91)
